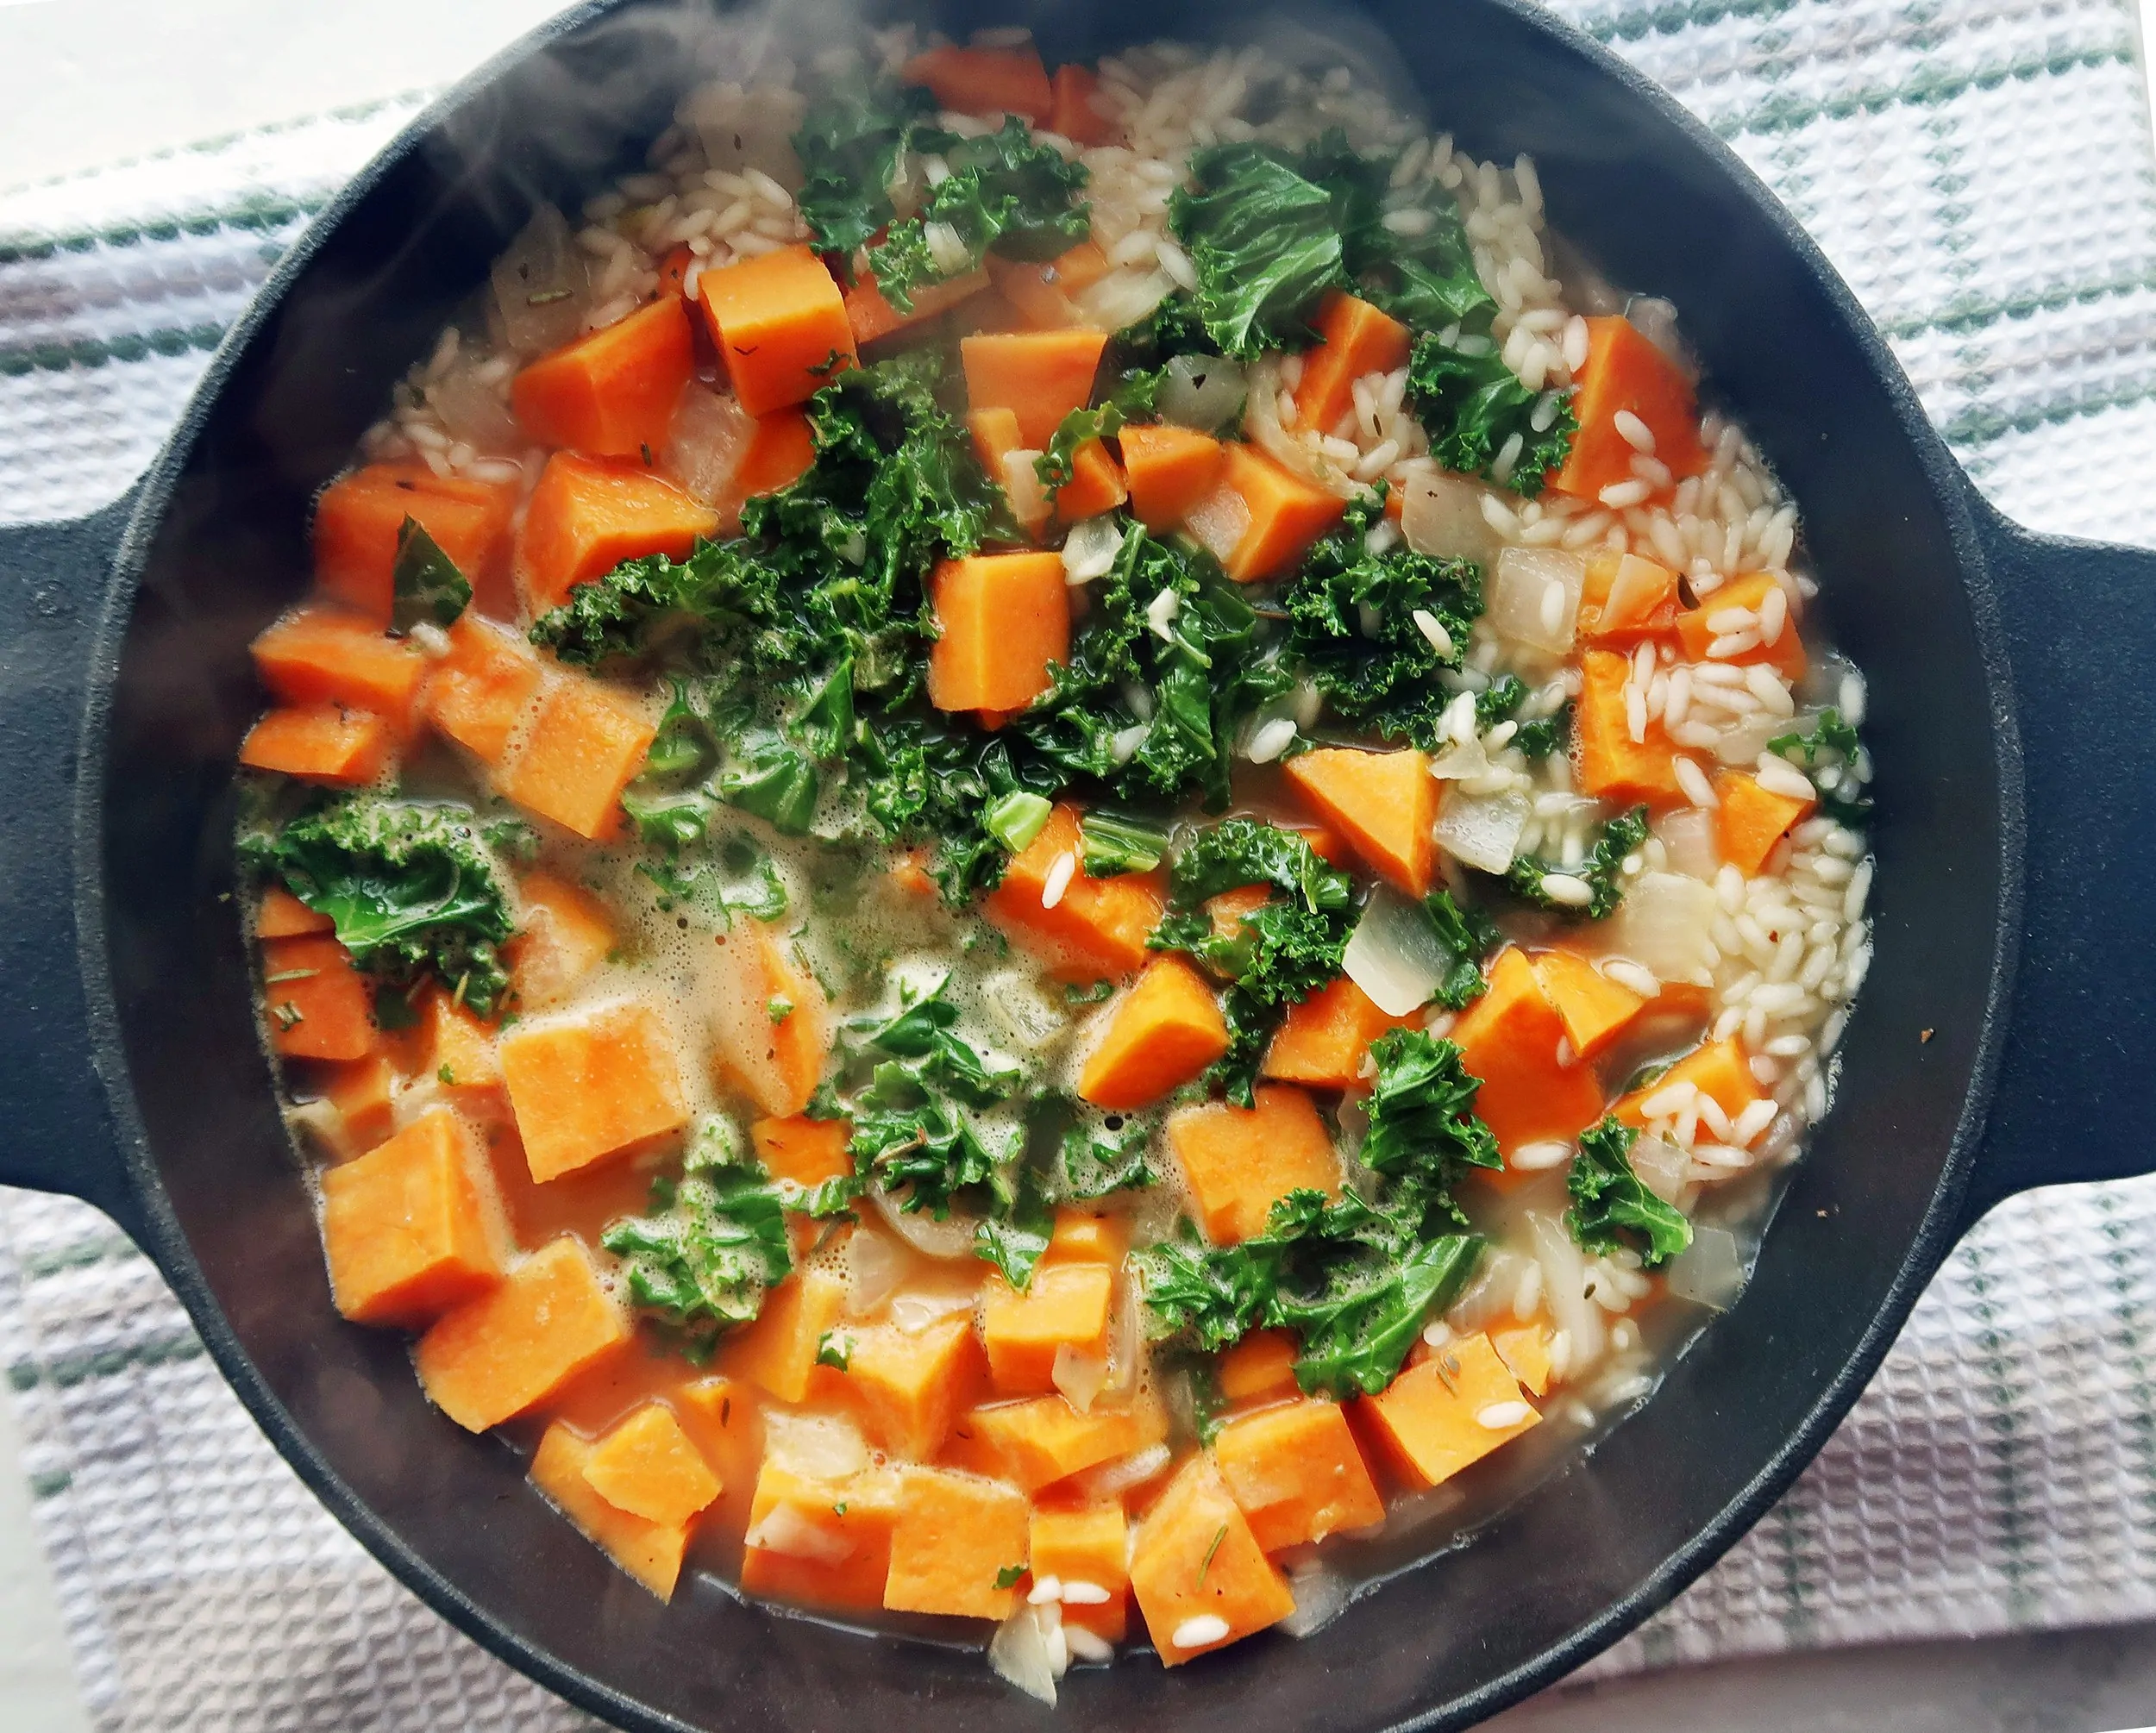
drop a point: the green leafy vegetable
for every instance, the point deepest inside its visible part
(1107, 1153)
(1612, 1206)
(1015, 818)
(1423, 1130)
(1013, 1237)
(835, 1348)
(1833, 756)
(1483, 420)
(1468, 936)
(425, 585)
(412, 888)
(1602, 872)
(1133, 396)
(1262, 241)
(704, 1260)
(1117, 843)
(1502, 701)
(848, 146)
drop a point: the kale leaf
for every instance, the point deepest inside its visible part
(1500, 701)
(848, 146)
(425, 585)
(1469, 936)
(1833, 756)
(1262, 241)
(1602, 872)
(410, 884)
(1612, 1206)
(1483, 419)
(1099, 1153)
(1423, 1131)
(704, 1260)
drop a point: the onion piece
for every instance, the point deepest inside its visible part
(1019, 1652)
(1089, 551)
(1482, 829)
(874, 1267)
(1662, 1166)
(1022, 482)
(1203, 392)
(711, 435)
(1565, 1291)
(473, 412)
(1441, 516)
(1219, 521)
(952, 1237)
(1122, 298)
(1394, 955)
(1710, 1272)
(1688, 838)
(541, 284)
(1665, 924)
(1321, 1594)
(817, 1447)
(1079, 1377)
(1518, 607)
(785, 1531)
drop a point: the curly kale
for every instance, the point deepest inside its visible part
(1602, 872)
(1423, 1131)
(1611, 1204)
(1467, 935)
(1833, 757)
(1483, 419)
(848, 145)
(413, 890)
(1263, 241)
(1501, 701)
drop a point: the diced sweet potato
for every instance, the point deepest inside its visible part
(1284, 514)
(650, 1552)
(907, 1387)
(806, 1151)
(364, 1094)
(321, 743)
(1039, 376)
(478, 693)
(1625, 600)
(1593, 1008)
(592, 1086)
(1096, 484)
(586, 743)
(997, 443)
(1001, 618)
(955, 1537)
(1200, 1577)
(819, 1542)
(1624, 370)
(316, 655)
(403, 1226)
(1071, 111)
(1043, 1439)
(1168, 1029)
(587, 514)
(1064, 1305)
(779, 324)
(872, 316)
(1096, 929)
(282, 915)
(1261, 1365)
(648, 1467)
(1354, 339)
(1450, 1410)
(774, 1024)
(1753, 819)
(1297, 1472)
(1508, 1038)
(1324, 1042)
(1040, 294)
(359, 516)
(1613, 765)
(1084, 1236)
(1384, 802)
(318, 1004)
(1085, 1546)
(778, 1351)
(1241, 1161)
(563, 933)
(1524, 1349)
(1168, 469)
(515, 1345)
(610, 392)
(1718, 1069)
(1695, 637)
(456, 1049)
(984, 81)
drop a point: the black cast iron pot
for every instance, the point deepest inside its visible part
(2003, 1039)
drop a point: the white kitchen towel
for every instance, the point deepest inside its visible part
(1982, 172)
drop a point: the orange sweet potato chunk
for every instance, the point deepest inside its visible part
(1297, 1473)
(1039, 376)
(1508, 1038)
(1064, 1305)
(650, 1552)
(364, 1094)
(1043, 1439)
(1263, 1364)
(478, 693)
(1450, 1410)
(1168, 469)
(321, 743)
(1695, 637)
(586, 743)
(1286, 515)
(563, 933)
(513, 1347)
(996, 438)
(318, 655)
(455, 1048)
(1085, 1546)
(359, 516)
(806, 1151)
(1354, 339)
(1718, 1069)
(907, 1387)
(956, 1534)
(984, 81)
(1071, 111)
(1200, 1577)
(589, 1086)
(1241, 1161)
(1096, 929)
(283, 915)
(1625, 600)
(318, 1004)
(1322, 1041)
(1168, 1029)
(1096, 484)
(778, 1351)
(611, 392)
(1593, 1008)
(1613, 765)
(780, 324)
(1751, 820)
(403, 1226)
(1384, 802)
(1084, 1236)
(1524, 1349)
(1001, 619)
(648, 1467)
(1624, 370)
(872, 316)
(587, 514)
(773, 1023)
(820, 1542)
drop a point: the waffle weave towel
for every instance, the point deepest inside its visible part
(1980, 170)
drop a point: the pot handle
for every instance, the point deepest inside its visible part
(2076, 1098)
(59, 1135)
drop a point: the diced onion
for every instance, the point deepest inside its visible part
(1519, 600)
(541, 284)
(1442, 516)
(1203, 392)
(1079, 1377)
(1688, 838)
(1022, 482)
(1709, 1271)
(1662, 1165)
(1219, 521)
(473, 412)
(1019, 1652)
(1564, 1290)
(816, 1447)
(711, 435)
(874, 1267)
(1665, 924)
(1321, 1595)
(1481, 830)
(1122, 298)
(1394, 955)
(952, 1237)
(1090, 551)
(785, 1529)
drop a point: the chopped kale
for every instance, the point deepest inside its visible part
(1833, 756)
(1468, 936)
(1423, 1130)
(848, 146)
(1602, 872)
(425, 585)
(1014, 1233)
(1264, 242)
(1483, 419)
(1501, 702)
(703, 1260)
(410, 884)
(1133, 396)
(1611, 1204)
(1116, 842)
(1104, 1153)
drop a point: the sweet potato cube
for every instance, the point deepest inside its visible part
(872, 316)
(1200, 1577)
(610, 392)
(956, 1536)
(984, 81)
(1168, 1029)
(1040, 294)
(1083, 1235)
(1354, 339)
(1625, 600)
(1039, 376)
(360, 515)
(318, 1004)
(584, 744)
(478, 693)
(1323, 1042)
(778, 1351)
(1451, 1410)
(1167, 469)
(820, 1542)
(403, 1226)
(1696, 637)
(1043, 1439)
(321, 743)
(1096, 484)
(1624, 370)
(1593, 1008)
(1718, 1069)
(1071, 110)
(1096, 929)
(515, 1345)
(1753, 819)
(907, 1386)
(588, 514)
(647, 1467)
(780, 324)
(1065, 1305)
(1263, 1364)
(1613, 765)
(650, 1552)
(1508, 1038)
(1241, 1161)
(283, 915)
(773, 1022)
(1297, 1472)
(1284, 514)
(1524, 1349)
(364, 1094)
(1384, 802)
(1085, 1547)
(456, 1049)
(589, 1086)
(806, 1151)
(563, 933)
(316, 655)
(1002, 619)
